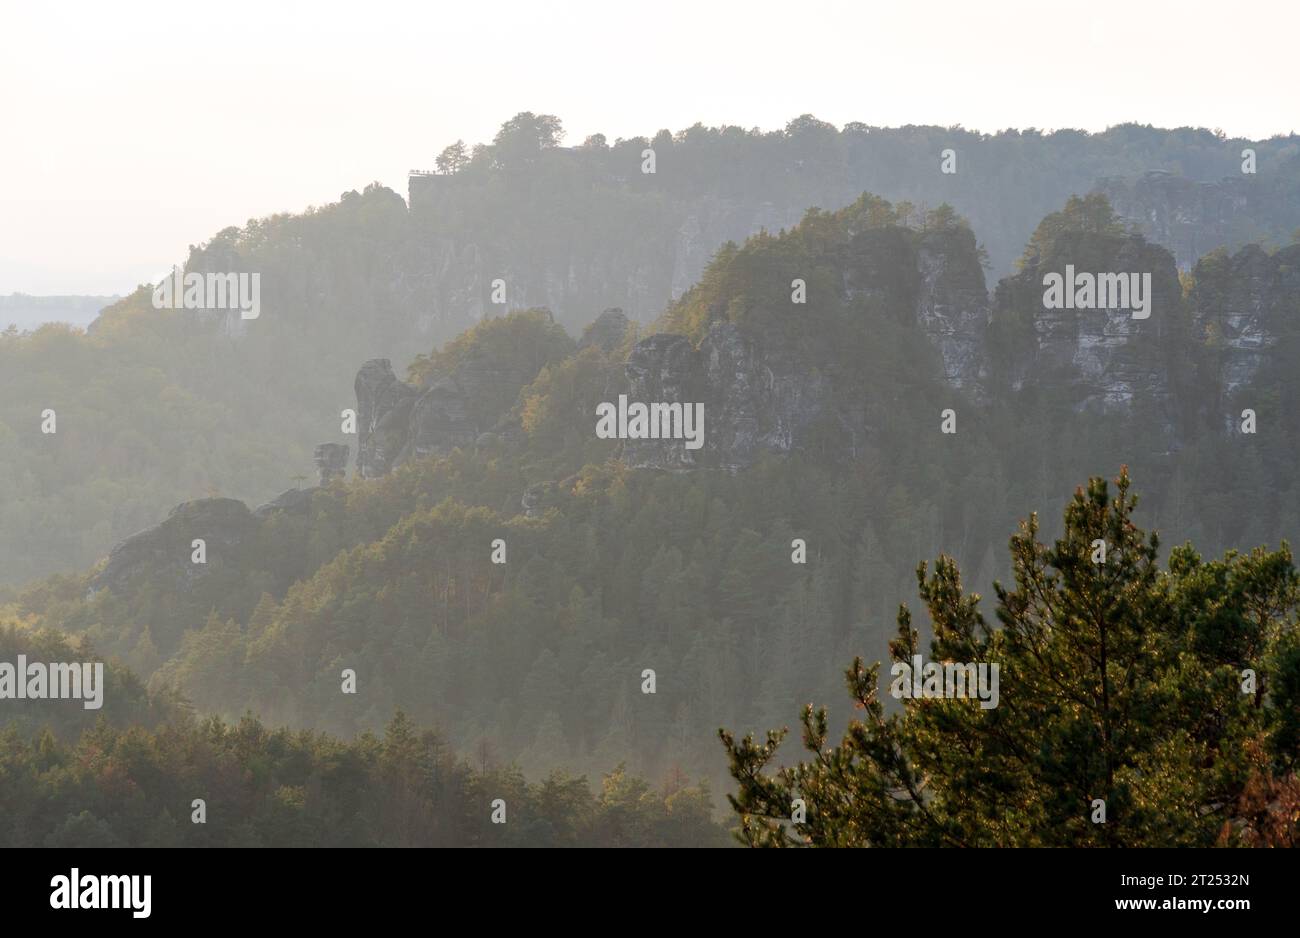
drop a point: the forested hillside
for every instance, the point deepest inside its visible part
(159, 406)
(744, 582)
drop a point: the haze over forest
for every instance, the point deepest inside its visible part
(561, 470)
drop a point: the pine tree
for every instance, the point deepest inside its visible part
(1120, 686)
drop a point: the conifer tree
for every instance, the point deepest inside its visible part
(1124, 716)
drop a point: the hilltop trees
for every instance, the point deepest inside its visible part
(260, 787)
(453, 158)
(522, 138)
(1090, 214)
(1138, 707)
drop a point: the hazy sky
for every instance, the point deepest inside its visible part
(129, 130)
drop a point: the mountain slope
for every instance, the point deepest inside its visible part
(610, 569)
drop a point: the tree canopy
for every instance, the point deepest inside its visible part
(1138, 707)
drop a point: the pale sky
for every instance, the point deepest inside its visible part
(129, 130)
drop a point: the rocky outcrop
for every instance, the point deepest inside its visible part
(440, 421)
(166, 551)
(540, 496)
(331, 461)
(953, 305)
(756, 399)
(383, 417)
(668, 368)
(291, 501)
(1104, 359)
(1241, 305)
(766, 393)
(396, 422)
(760, 397)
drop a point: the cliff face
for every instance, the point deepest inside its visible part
(640, 265)
(756, 399)
(396, 422)
(766, 390)
(952, 308)
(1106, 359)
(637, 241)
(1193, 218)
(1241, 306)
(222, 523)
(760, 396)
(384, 407)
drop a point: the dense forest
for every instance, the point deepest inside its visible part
(499, 604)
(192, 783)
(615, 572)
(156, 407)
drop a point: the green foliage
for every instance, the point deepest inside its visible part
(1118, 681)
(123, 698)
(1090, 215)
(156, 407)
(275, 788)
(612, 571)
(500, 355)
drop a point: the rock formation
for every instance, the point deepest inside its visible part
(1241, 305)
(383, 417)
(953, 307)
(222, 523)
(762, 395)
(1105, 358)
(331, 461)
(396, 422)
(291, 501)
(756, 399)
(1193, 218)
